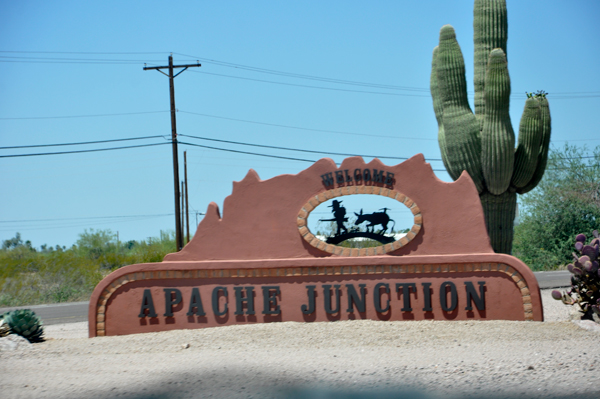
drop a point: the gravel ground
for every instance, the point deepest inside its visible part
(348, 359)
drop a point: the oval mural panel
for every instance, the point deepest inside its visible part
(347, 222)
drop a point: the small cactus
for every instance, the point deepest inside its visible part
(585, 281)
(25, 323)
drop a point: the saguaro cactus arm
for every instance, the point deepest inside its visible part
(497, 136)
(461, 129)
(490, 31)
(542, 158)
(438, 110)
(527, 153)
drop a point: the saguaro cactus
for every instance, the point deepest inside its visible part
(482, 143)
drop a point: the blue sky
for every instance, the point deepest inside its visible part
(63, 62)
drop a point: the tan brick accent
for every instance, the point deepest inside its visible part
(303, 214)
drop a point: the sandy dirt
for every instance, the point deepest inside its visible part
(348, 359)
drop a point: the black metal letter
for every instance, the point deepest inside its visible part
(327, 298)
(444, 296)
(195, 302)
(348, 177)
(357, 175)
(427, 297)
(406, 290)
(472, 295)
(378, 176)
(377, 296)
(147, 303)
(215, 301)
(327, 179)
(353, 298)
(389, 179)
(310, 308)
(366, 175)
(239, 300)
(270, 305)
(170, 301)
(339, 177)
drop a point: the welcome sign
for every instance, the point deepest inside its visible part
(260, 262)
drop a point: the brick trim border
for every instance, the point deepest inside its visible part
(310, 238)
(517, 278)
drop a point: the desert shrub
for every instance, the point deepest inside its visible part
(29, 277)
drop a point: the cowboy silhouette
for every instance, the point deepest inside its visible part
(339, 217)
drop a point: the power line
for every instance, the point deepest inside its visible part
(302, 76)
(73, 62)
(207, 147)
(84, 218)
(72, 59)
(555, 95)
(80, 143)
(263, 155)
(83, 116)
(84, 52)
(249, 153)
(81, 151)
(303, 128)
(351, 82)
(295, 149)
(312, 87)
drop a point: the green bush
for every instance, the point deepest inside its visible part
(29, 277)
(565, 203)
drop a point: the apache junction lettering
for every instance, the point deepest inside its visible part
(358, 177)
(329, 298)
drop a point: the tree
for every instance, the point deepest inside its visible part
(17, 242)
(96, 243)
(565, 203)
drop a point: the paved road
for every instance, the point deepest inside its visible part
(78, 311)
(58, 313)
(556, 279)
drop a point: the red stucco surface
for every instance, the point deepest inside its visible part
(259, 217)
(256, 242)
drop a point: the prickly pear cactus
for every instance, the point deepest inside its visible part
(585, 281)
(25, 323)
(483, 143)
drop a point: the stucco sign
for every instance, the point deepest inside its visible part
(259, 262)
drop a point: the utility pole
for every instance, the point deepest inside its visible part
(187, 204)
(170, 67)
(182, 210)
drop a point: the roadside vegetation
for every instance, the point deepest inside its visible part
(30, 276)
(565, 203)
